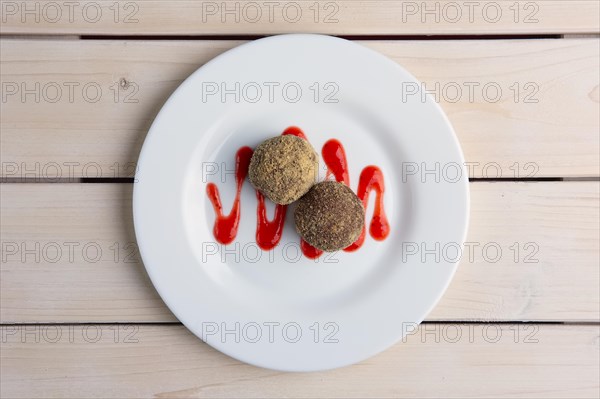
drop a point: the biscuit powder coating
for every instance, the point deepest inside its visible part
(284, 168)
(330, 216)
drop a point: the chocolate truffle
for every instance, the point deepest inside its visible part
(330, 216)
(284, 168)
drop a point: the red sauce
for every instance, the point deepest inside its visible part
(371, 178)
(294, 131)
(309, 251)
(268, 233)
(226, 227)
(335, 159)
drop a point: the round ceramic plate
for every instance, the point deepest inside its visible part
(279, 309)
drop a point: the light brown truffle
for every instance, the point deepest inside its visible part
(284, 168)
(330, 216)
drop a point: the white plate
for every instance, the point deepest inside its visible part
(280, 310)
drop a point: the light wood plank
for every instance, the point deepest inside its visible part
(169, 362)
(556, 136)
(558, 221)
(347, 17)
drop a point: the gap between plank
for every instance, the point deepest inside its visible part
(347, 37)
(177, 323)
(224, 37)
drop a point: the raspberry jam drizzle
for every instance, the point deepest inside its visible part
(309, 251)
(294, 131)
(371, 179)
(226, 227)
(334, 156)
(268, 233)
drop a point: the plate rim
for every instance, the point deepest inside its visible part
(136, 198)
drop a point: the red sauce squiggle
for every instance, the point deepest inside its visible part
(334, 156)
(294, 131)
(309, 251)
(226, 227)
(269, 233)
(371, 178)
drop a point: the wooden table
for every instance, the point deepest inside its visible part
(81, 83)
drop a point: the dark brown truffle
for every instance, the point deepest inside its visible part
(284, 168)
(330, 216)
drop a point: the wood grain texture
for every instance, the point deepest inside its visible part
(527, 361)
(341, 17)
(69, 255)
(551, 126)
